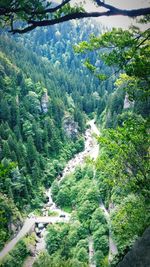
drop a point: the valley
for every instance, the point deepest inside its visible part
(37, 223)
(74, 137)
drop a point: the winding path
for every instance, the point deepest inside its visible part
(28, 226)
(112, 245)
(91, 149)
(91, 253)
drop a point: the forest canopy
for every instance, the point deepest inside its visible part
(47, 98)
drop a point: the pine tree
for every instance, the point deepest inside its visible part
(35, 173)
(6, 150)
(31, 152)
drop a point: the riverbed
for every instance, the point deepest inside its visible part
(91, 150)
(39, 223)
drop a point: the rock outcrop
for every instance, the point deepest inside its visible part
(127, 102)
(70, 127)
(139, 255)
(44, 102)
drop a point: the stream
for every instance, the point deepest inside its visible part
(92, 150)
(38, 224)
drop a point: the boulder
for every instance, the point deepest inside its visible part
(40, 226)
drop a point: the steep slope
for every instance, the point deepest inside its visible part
(57, 45)
(34, 107)
(41, 112)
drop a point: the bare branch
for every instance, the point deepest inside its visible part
(54, 9)
(102, 4)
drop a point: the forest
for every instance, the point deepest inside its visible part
(57, 84)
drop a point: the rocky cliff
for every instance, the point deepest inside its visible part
(139, 255)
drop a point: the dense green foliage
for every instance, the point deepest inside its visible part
(129, 220)
(9, 217)
(46, 260)
(41, 97)
(35, 106)
(122, 168)
(121, 178)
(16, 256)
(122, 174)
(56, 44)
(128, 52)
(31, 132)
(79, 192)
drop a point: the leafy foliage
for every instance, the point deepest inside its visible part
(129, 220)
(16, 256)
(79, 192)
(34, 145)
(9, 216)
(33, 108)
(122, 167)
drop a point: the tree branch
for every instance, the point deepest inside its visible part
(13, 9)
(54, 9)
(79, 15)
(102, 4)
(32, 11)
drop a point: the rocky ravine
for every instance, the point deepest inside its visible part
(38, 223)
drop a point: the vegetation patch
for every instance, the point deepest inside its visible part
(52, 213)
(16, 256)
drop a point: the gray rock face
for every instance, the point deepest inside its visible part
(127, 102)
(15, 226)
(139, 255)
(44, 102)
(70, 127)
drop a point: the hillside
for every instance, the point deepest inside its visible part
(59, 84)
(41, 98)
(34, 108)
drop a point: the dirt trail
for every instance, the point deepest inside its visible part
(91, 253)
(112, 245)
(26, 228)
